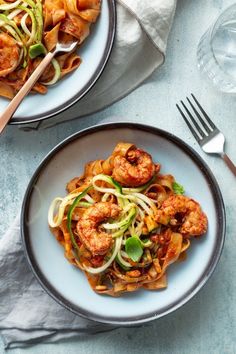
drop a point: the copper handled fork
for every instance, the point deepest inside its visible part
(15, 102)
(208, 136)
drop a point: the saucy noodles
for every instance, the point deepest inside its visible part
(123, 222)
(31, 28)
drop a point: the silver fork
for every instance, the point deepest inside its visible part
(15, 102)
(208, 136)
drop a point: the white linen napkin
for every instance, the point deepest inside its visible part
(139, 48)
(27, 314)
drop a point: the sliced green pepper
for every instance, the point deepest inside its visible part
(36, 49)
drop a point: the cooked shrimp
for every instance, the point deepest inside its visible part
(193, 219)
(97, 242)
(9, 54)
(134, 169)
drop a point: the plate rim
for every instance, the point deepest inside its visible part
(87, 87)
(152, 315)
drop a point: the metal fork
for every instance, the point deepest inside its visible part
(208, 136)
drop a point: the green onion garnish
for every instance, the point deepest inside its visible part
(178, 189)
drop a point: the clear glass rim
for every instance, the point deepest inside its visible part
(212, 32)
(216, 23)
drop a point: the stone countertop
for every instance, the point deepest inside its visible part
(207, 323)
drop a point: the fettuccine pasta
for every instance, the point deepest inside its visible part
(31, 28)
(123, 223)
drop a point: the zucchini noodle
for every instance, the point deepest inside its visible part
(59, 205)
(124, 220)
(124, 237)
(108, 263)
(23, 25)
(14, 14)
(134, 197)
(121, 260)
(57, 74)
(31, 34)
(10, 6)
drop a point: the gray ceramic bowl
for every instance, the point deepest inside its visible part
(67, 284)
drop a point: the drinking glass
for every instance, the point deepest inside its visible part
(216, 53)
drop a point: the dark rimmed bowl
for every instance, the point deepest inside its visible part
(65, 283)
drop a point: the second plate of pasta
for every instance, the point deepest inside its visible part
(29, 29)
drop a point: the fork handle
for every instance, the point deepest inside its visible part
(229, 163)
(13, 105)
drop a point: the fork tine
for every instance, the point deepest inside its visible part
(205, 126)
(197, 126)
(188, 124)
(212, 125)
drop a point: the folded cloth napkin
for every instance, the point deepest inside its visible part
(139, 48)
(27, 314)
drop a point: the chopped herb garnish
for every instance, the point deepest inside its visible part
(134, 248)
(178, 188)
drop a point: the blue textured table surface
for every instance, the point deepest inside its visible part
(207, 323)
